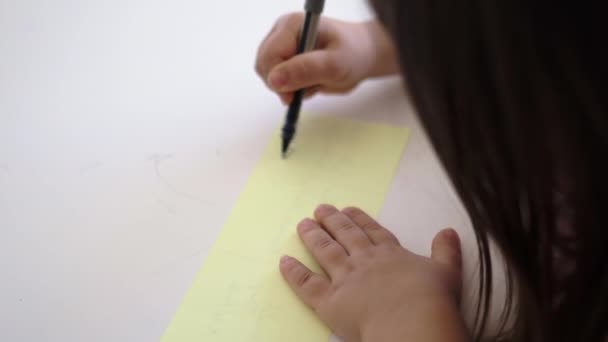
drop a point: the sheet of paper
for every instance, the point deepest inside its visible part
(239, 295)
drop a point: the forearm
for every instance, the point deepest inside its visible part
(426, 322)
(385, 60)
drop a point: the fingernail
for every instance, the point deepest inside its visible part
(305, 222)
(286, 260)
(278, 79)
(326, 207)
(452, 235)
(305, 225)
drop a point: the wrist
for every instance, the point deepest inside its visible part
(383, 56)
(423, 321)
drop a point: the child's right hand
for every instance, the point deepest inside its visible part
(346, 54)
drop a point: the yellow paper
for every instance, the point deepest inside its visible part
(239, 295)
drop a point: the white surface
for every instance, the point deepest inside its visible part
(127, 129)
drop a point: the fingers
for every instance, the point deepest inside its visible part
(308, 286)
(446, 249)
(377, 233)
(286, 98)
(279, 45)
(329, 254)
(342, 228)
(284, 72)
(307, 70)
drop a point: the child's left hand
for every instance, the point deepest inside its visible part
(376, 290)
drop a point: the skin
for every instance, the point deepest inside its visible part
(346, 54)
(372, 289)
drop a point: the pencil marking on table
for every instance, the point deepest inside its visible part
(157, 160)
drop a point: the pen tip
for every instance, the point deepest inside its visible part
(284, 148)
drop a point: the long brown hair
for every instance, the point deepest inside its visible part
(512, 94)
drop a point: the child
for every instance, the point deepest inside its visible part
(512, 96)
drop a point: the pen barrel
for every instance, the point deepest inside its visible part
(308, 33)
(293, 114)
(314, 6)
(308, 41)
(311, 32)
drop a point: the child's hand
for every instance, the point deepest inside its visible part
(347, 54)
(377, 290)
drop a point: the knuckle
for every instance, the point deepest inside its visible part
(324, 243)
(344, 225)
(303, 277)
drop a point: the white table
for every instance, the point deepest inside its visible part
(127, 129)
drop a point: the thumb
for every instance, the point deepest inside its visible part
(306, 70)
(446, 249)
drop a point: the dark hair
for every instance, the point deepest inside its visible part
(512, 96)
